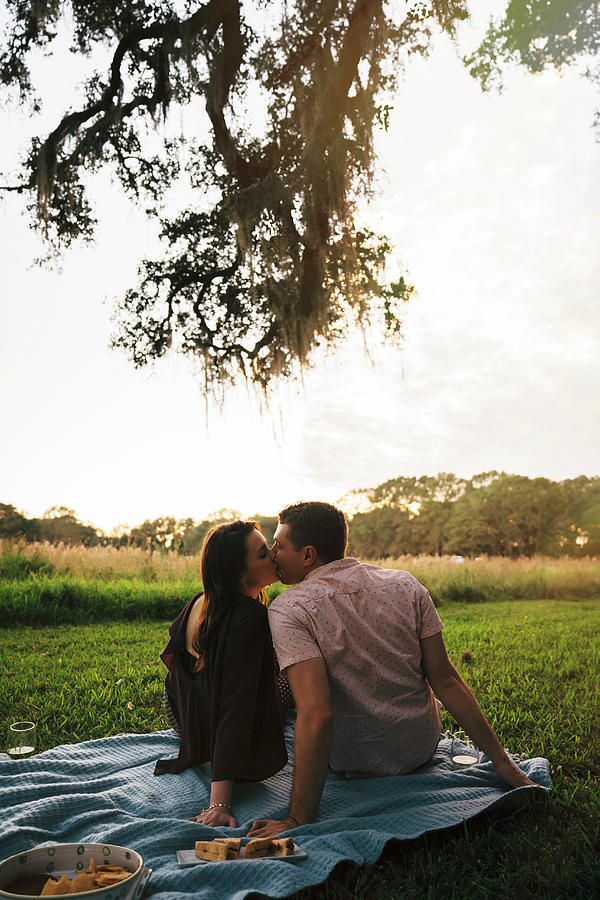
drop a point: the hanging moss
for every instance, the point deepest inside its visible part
(268, 262)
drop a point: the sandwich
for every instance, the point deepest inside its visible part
(211, 850)
(269, 847)
(233, 846)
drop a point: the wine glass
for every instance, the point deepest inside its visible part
(21, 740)
(464, 753)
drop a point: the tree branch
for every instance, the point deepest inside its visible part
(263, 342)
(207, 20)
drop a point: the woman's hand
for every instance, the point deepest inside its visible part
(216, 818)
(218, 811)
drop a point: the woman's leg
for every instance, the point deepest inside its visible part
(171, 716)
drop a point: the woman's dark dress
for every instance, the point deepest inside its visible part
(229, 711)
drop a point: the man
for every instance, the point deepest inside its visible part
(363, 650)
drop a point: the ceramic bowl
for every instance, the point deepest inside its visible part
(70, 860)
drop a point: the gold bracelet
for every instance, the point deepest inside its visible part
(215, 806)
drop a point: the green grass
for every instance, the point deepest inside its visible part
(68, 599)
(533, 665)
(38, 598)
(46, 584)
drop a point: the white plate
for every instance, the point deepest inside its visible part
(189, 858)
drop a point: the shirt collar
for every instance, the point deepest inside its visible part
(338, 565)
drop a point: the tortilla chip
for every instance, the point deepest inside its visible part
(94, 878)
(54, 888)
(105, 879)
(83, 882)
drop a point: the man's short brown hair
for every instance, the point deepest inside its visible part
(319, 525)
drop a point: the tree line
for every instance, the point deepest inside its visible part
(493, 513)
(60, 524)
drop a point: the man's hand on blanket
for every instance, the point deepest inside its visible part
(266, 828)
(215, 818)
(512, 775)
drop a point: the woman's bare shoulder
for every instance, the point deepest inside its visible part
(193, 622)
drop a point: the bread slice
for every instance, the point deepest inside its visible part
(233, 846)
(282, 846)
(257, 848)
(211, 850)
(269, 847)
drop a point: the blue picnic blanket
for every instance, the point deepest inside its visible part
(104, 791)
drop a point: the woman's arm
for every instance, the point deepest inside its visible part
(447, 684)
(241, 698)
(219, 811)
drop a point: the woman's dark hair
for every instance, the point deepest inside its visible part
(319, 525)
(223, 562)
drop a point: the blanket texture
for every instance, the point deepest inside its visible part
(104, 791)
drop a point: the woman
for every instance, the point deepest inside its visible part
(221, 680)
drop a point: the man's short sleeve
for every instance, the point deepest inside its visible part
(430, 621)
(293, 639)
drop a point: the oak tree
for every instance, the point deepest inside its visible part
(267, 258)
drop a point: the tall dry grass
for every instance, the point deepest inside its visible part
(446, 577)
(453, 578)
(104, 563)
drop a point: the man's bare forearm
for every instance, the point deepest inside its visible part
(462, 705)
(312, 745)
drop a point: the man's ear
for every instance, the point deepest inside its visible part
(310, 556)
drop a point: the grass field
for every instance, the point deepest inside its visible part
(526, 577)
(534, 666)
(44, 584)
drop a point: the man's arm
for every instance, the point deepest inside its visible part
(447, 684)
(312, 745)
(312, 737)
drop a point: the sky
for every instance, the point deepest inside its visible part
(492, 204)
